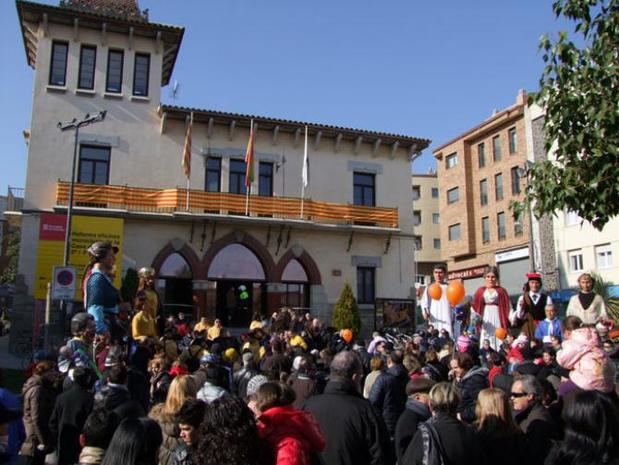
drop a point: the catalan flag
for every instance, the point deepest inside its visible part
(186, 161)
(249, 157)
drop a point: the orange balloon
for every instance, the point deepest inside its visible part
(435, 291)
(455, 292)
(500, 333)
(347, 335)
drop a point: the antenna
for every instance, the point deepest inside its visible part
(175, 90)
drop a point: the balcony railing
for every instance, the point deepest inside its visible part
(140, 199)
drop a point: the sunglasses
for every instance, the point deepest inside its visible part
(517, 395)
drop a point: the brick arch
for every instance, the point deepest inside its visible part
(248, 241)
(187, 253)
(307, 262)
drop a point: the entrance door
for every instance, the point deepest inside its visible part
(234, 303)
(176, 285)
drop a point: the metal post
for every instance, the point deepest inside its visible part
(67, 236)
(48, 309)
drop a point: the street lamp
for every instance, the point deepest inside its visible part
(524, 171)
(75, 125)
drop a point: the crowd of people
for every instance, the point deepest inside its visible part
(135, 387)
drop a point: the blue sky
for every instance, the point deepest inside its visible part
(426, 69)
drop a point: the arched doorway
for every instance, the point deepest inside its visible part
(295, 292)
(240, 283)
(175, 284)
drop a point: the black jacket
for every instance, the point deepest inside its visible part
(460, 443)
(505, 450)
(355, 432)
(473, 381)
(539, 430)
(414, 413)
(388, 394)
(118, 399)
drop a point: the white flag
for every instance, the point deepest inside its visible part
(305, 172)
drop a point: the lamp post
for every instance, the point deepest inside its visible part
(75, 125)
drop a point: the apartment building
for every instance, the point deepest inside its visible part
(216, 249)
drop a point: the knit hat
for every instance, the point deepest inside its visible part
(463, 343)
(254, 384)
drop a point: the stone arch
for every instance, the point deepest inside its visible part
(186, 252)
(306, 260)
(243, 238)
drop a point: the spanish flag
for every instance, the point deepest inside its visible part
(186, 161)
(249, 157)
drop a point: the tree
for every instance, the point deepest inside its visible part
(579, 90)
(346, 312)
(129, 285)
(12, 251)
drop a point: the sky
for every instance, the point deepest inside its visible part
(424, 69)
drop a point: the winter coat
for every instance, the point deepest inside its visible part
(293, 435)
(72, 408)
(183, 455)
(275, 364)
(388, 394)
(590, 315)
(91, 456)
(504, 449)
(355, 432)
(539, 430)
(170, 432)
(590, 365)
(304, 387)
(210, 392)
(414, 413)
(117, 398)
(38, 397)
(473, 381)
(241, 378)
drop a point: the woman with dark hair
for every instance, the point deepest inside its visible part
(491, 303)
(136, 441)
(591, 431)
(229, 435)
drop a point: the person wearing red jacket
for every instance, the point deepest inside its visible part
(491, 303)
(293, 435)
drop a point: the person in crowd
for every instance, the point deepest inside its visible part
(433, 368)
(215, 331)
(355, 432)
(146, 284)
(213, 386)
(530, 308)
(484, 351)
(443, 436)
(69, 415)
(79, 349)
(136, 441)
(491, 303)
(38, 397)
(115, 395)
(550, 326)
(388, 394)
(160, 379)
(13, 429)
(277, 362)
(229, 435)
(293, 435)
(587, 305)
(377, 366)
(417, 411)
(96, 436)
(144, 324)
(591, 422)
(190, 418)
(502, 440)
(8, 454)
(533, 419)
(497, 364)
(469, 380)
(181, 389)
(549, 364)
(241, 377)
(438, 313)
(303, 382)
(201, 326)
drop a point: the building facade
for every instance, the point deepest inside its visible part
(217, 250)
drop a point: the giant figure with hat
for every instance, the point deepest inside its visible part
(531, 306)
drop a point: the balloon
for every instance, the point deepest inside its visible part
(500, 333)
(435, 291)
(455, 292)
(347, 335)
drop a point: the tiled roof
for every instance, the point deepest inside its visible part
(128, 9)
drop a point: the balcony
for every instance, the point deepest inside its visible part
(170, 201)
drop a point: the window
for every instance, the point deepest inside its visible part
(500, 221)
(364, 189)
(572, 218)
(418, 242)
(265, 179)
(603, 256)
(575, 259)
(416, 192)
(114, 78)
(454, 232)
(58, 66)
(481, 154)
(420, 279)
(515, 180)
(436, 218)
(213, 174)
(518, 225)
(416, 217)
(496, 148)
(365, 285)
(453, 195)
(88, 58)
(498, 186)
(437, 243)
(435, 192)
(94, 167)
(451, 160)
(236, 180)
(511, 134)
(141, 73)
(483, 192)
(485, 230)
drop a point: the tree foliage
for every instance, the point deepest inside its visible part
(346, 312)
(579, 90)
(13, 240)
(129, 285)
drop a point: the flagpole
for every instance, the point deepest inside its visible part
(187, 200)
(248, 168)
(304, 177)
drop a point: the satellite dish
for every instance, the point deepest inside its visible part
(175, 90)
